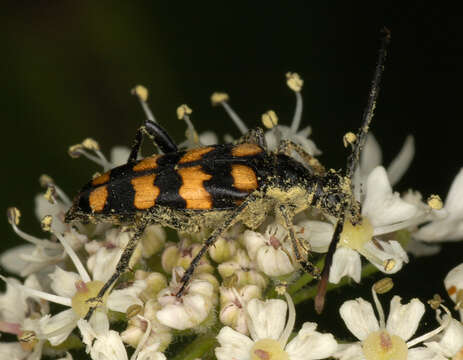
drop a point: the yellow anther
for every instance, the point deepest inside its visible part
(294, 82)
(50, 194)
(90, 144)
(281, 288)
(435, 202)
(46, 222)
(13, 214)
(269, 119)
(75, 151)
(383, 286)
(435, 302)
(389, 264)
(219, 97)
(183, 110)
(349, 139)
(45, 180)
(141, 92)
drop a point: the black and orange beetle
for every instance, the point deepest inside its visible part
(217, 186)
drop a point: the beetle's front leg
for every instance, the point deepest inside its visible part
(121, 267)
(287, 146)
(310, 268)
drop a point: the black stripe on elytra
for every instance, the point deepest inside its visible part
(120, 191)
(169, 181)
(220, 186)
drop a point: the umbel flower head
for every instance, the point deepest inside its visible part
(270, 328)
(231, 307)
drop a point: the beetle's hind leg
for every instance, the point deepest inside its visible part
(296, 244)
(121, 267)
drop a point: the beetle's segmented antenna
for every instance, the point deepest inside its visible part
(353, 159)
(358, 142)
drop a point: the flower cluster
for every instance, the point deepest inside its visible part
(240, 303)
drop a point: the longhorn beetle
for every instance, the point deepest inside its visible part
(218, 186)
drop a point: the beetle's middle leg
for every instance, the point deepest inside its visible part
(219, 231)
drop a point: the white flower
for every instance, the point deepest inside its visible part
(191, 309)
(19, 315)
(104, 344)
(384, 339)
(233, 304)
(73, 290)
(242, 270)
(383, 212)
(448, 225)
(271, 251)
(454, 285)
(137, 328)
(371, 157)
(449, 344)
(270, 332)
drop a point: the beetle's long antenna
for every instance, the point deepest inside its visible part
(354, 157)
(352, 163)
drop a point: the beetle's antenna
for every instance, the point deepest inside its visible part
(352, 163)
(354, 157)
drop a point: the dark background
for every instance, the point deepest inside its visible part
(68, 66)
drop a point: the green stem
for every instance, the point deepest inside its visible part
(309, 293)
(198, 347)
(304, 279)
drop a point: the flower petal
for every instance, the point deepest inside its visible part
(63, 283)
(452, 340)
(422, 353)
(233, 345)
(381, 205)
(120, 300)
(403, 320)
(253, 242)
(267, 319)
(318, 234)
(109, 346)
(402, 161)
(453, 201)
(390, 250)
(57, 328)
(274, 262)
(371, 155)
(359, 317)
(346, 262)
(349, 352)
(310, 344)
